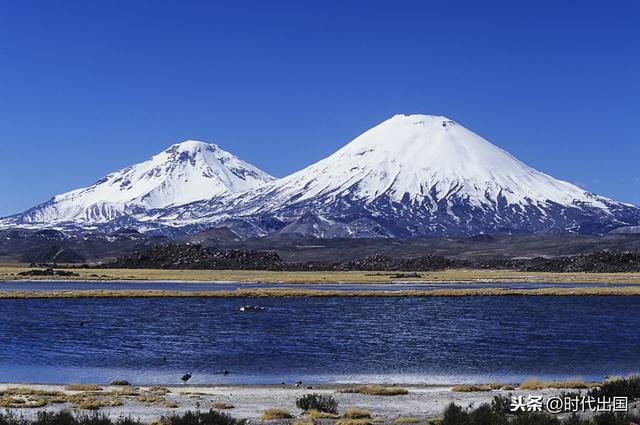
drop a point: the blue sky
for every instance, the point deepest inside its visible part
(89, 87)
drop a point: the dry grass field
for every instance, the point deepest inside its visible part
(10, 272)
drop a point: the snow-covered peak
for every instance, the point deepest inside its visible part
(185, 172)
(423, 159)
(191, 146)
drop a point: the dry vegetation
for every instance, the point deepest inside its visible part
(83, 387)
(469, 388)
(376, 390)
(222, 405)
(84, 397)
(9, 272)
(356, 416)
(356, 413)
(536, 384)
(275, 413)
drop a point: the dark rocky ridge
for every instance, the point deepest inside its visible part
(599, 262)
(385, 263)
(193, 256)
(53, 246)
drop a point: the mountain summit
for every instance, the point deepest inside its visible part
(423, 160)
(420, 175)
(411, 175)
(186, 172)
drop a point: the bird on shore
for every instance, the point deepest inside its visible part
(298, 384)
(186, 377)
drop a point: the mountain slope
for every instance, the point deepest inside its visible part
(418, 175)
(186, 172)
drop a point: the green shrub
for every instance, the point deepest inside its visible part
(66, 418)
(501, 403)
(535, 419)
(455, 415)
(211, 417)
(616, 419)
(323, 403)
(485, 415)
(621, 387)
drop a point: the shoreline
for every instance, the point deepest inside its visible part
(148, 403)
(300, 293)
(605, 284)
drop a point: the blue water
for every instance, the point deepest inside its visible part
(421, 340)
(39, 285)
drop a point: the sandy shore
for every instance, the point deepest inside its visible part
(422, 402)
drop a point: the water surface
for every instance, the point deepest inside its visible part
(41, 285)
(422, 340)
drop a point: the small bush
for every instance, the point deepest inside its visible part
(59, 418)
(89, 405)
(356, 413)
(159, 389)
(616, 419)
(622, 387)
(535, 419)
(120, 382)
(322, 403)
(455, 415)
(222, 405)
(501, 404)
(275, 413)
(485, 415)
(211, 417)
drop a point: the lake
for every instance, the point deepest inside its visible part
(44, 285)
(319, 340)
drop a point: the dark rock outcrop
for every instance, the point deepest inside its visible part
(48, 272)
(599, 262)
(197, 257)
(382, 262)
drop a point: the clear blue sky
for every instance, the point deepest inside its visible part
(88, 87)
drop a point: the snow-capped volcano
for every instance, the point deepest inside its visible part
(186, 172)
(422, 159)
(419, 175)
(411, 175)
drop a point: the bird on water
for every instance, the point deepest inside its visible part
(186, 377)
